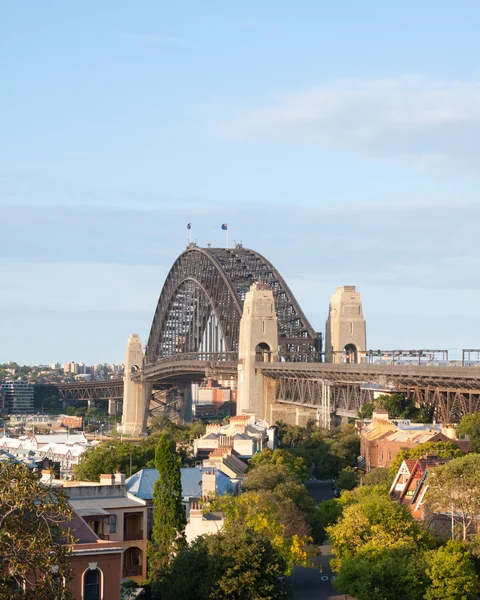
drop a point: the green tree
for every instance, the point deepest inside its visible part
(379, 476)
(452, 573)
(273, 516)
(112, 456)
(455, 488)
(372, 524)
(347, 479)
(440, 449)
(296, 464)
(290, 435)
(326, 514)
(268, 477)
(328, 452)
(237, 563)
(35, 543)
(391, 575)
(168, 516)
(470, 426)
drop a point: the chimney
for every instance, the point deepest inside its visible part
(209, 482)
(449, 431)
(107, 479)
(47, 477)
(119, 478)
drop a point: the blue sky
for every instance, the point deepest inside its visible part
(341, 140)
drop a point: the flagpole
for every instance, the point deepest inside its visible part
(190, 236)
(226, 238)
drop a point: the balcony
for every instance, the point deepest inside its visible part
(134, 534)
(134, 571)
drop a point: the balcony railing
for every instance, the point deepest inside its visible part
(135, 571)
(133, 534)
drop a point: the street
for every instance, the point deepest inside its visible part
(310, 584)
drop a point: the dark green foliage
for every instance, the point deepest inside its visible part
(109, 457)
(297, 465)
(398, 406)
(347, 479)
(327, 513)
(129, 457)
(470, 426)
(235, 564)
(268, 476)
(379, 476)
(328, 452)
(168, 516)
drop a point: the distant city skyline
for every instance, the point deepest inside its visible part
(339, 141)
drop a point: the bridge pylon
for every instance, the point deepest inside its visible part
(258, 342)
(134, 392)
(345, 329)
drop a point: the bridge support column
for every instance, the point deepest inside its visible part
(134, 392)
(112, 407)
(345, 332)
(258, 342)
(91, 403)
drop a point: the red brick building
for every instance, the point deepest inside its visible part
(382, 439)
(96, 565)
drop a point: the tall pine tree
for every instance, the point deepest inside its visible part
(168, 517)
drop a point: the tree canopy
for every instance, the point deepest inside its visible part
(168, 517)
(398, 406)
(296, 464)
(470, 426)
(440, 449)
(451, 572)
(238, 563)
(371, 524)
(455, 487)
(35, 542)
(274, 516)
(326, 452)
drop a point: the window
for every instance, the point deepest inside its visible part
(389, 455)
(91, 585)
(113, 523)
(381, 455)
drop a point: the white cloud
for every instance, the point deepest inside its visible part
(435, 124)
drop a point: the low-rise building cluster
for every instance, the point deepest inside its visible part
(57, 452)
(382, 438)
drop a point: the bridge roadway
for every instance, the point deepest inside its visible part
(343, 388)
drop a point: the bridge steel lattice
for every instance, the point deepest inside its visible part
(450, 392)
(201, 305)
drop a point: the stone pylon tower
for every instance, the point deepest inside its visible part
(134, 409)
(345, 329)
(258, 342)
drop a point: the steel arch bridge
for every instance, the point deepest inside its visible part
(200, 306)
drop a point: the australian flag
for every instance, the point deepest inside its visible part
(224, 226)
(189, 225)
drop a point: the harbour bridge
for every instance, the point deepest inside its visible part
(196, 333)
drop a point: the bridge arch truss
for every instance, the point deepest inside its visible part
(201, 305)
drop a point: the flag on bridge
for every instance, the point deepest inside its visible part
(224, 226)
(189, 225)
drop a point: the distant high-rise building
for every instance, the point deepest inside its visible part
(18, 396)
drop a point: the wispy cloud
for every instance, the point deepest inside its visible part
(434, 124)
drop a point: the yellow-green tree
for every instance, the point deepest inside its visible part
(277, 519)
(35, 542)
